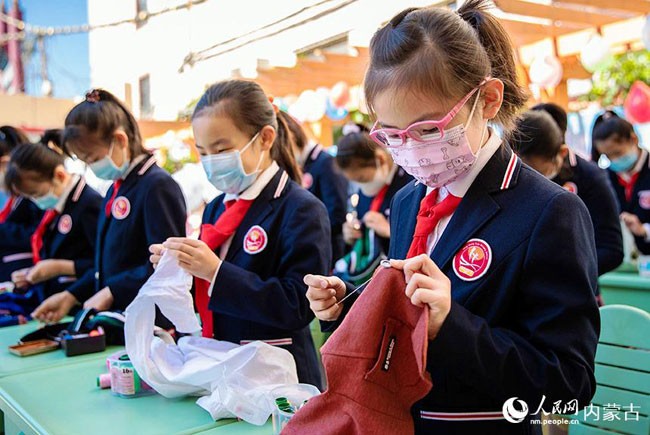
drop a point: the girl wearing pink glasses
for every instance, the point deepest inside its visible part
(503, 260)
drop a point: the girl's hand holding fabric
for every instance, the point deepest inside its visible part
(19, 277)
(157, 251)
(427, 285)
(194, 256)
(634, 224)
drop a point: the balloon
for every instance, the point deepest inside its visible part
(637, 103)
(546, 71)
(335, 113)
(310, 106)
(340, 94)
(596, 54)
(645, 33)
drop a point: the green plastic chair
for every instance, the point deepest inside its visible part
(622, 375)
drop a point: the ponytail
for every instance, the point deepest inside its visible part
(282, 149)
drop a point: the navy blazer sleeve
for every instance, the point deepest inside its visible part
(603, 207)
(279, 301)
(16, 231)
(89, 224)
(84, 287)
(164, 217)
(550, 350)
(334, 195)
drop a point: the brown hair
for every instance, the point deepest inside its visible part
(37, 158)
(102, 114)
(10, 138)
(250, 109)
(449, 53)
(297, 133)
(357, 149)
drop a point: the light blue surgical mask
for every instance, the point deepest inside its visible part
(47, 201)
(106, 169)
(226, 171)
(625, 162)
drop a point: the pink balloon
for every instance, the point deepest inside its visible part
(340, 94)
(637, 103)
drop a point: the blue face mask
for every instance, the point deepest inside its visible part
(47, 201)
(106, 169)
(226, 171)
(624, 163)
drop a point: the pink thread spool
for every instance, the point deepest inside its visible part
(104, 381)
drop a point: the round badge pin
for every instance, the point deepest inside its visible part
(570, 186)
(121, 208)
(644, 199)
(473, 260)
(65, 224)
(307, 180)
(255, 240)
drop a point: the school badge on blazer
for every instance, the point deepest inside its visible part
(121, 207)
(307, 180)
(255, 240)
(644, 199)
(473, 260)
(570, 186)
(65, 224)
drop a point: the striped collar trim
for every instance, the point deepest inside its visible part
(510, 171)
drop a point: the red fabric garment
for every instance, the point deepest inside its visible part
(628, 185)
(215, 236)
(428, 217)
(373, 378)
(109, 204)
(37, 237)
(6, 210)
(375, 205)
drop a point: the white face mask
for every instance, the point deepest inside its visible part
(372, 188)
(226, 171)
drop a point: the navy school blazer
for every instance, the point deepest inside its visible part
(527, 327)
(400, 180)
(72, 235)
(593, 187)
(148, 209)
(15, 235)
(259, 294)
(323, 178)
(639, 203)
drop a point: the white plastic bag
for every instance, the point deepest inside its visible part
(234, 380)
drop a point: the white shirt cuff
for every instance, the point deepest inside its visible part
(646, 227)
(214, 278)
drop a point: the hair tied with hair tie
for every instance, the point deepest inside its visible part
(609, 114)
(93, 96)
(275, 106)
(350, 128)
(473, 18)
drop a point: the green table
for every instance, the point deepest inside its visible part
(626, 288)
(66, 400)
(241, 428)
(11, 364)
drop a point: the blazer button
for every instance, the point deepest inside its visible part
(97, 275)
